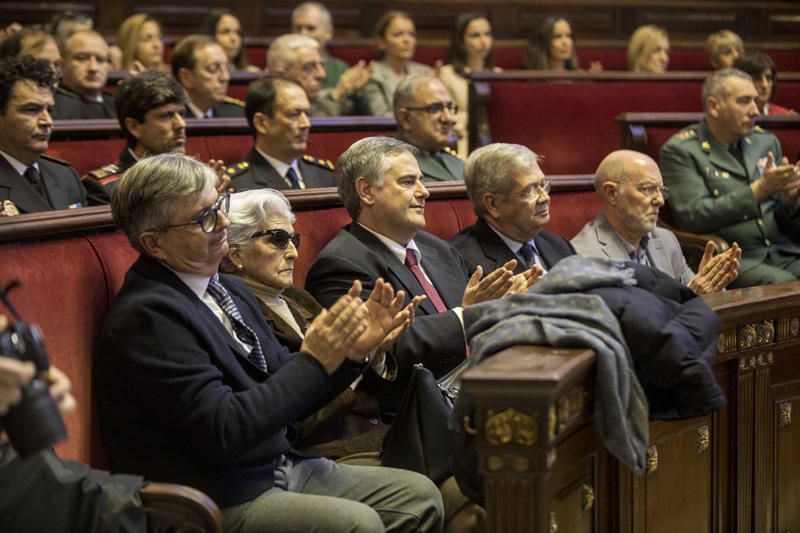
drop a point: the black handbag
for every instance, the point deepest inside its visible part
(419, 438)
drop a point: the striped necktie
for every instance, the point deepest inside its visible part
(240, 329)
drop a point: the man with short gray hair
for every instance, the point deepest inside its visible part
(314, 20)
(298, 57)
(509, 193)
(728, 176)
(425, 115)
(192, 386)
(381, 186)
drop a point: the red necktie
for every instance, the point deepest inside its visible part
(430, 290)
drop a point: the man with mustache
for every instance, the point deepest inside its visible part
(631, 193)
(729, 177)
(425, 116)
(201, 67)
(277, 111)
(509, 193)
(30, 181)
(381, 186)
(151, 108)
(84, 72)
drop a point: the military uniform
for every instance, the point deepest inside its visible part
(710, 193)
(444, 165)
(61, 185)
(100, 183)
(71, 105)
(255, 172)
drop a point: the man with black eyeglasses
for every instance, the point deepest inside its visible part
(425, 116)
(278, 113)
(631, 193)
(193, 387)
(84, 72)
(509, 193)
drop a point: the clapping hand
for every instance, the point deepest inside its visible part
(716, 271)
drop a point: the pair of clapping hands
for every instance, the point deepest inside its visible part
(502, 282)
(783, 180)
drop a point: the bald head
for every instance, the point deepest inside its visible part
(631, 191)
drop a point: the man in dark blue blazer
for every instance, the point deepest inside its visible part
(193, 387)
(381, 186)
(509, 193)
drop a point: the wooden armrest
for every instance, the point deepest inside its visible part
(172, 507)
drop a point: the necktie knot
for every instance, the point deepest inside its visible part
(411, 258)
(291, 175)
(33, 176)
(527, 252)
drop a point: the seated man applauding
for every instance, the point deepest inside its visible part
(193, 387)
(632, 193)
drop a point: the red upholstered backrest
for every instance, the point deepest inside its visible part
(63, 291)
(228, 148)
(87, 155)
(570, 211)
(317, 229)
(572, 124)
(330, 145)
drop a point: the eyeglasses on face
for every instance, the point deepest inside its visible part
(279, 238)
(540, 189)
(650, 190)
(437, 108)
(207, 220)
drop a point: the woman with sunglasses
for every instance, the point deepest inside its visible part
(263, 249)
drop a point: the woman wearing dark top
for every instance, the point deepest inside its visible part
(224, 27)
(552, 47)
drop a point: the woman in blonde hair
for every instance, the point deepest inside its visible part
(648, 50)
(140, 39)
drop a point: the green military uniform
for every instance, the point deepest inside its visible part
(444, 165)
(334, 68)
(710, 193)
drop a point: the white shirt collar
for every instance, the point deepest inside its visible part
(512, 244)
(282, 168)
(196, 111)
(197, 283)
(397, 249)
(19, 166)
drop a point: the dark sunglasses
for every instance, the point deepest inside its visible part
(279, 238)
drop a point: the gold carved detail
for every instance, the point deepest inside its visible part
(746, 336)
(511, 425)
(520, 464)
(587, 497)
(726, 342)
(494, 463)
(652, 460)
(570, 405)
(784, 414)
(552, 422)
(703, 438)
(765, 333)
(788, 326)
(747, 362)
(553, 525)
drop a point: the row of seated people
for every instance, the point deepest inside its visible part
(278, 110)
(174, 313)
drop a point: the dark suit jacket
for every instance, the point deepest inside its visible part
(434, 339)
(257, 173)
(179, 401)
(70, 105)
(230, 107)
(60, 181)
(480, 245)
(101, 182)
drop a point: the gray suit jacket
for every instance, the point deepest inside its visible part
(598, 239)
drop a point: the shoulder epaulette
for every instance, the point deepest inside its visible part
(686, 134)
(100, 174)
(55, 160)
(238, 168)
(323, 163)
(450, 151)
(234, 101)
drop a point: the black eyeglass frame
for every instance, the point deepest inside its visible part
(280, 238)
(223, 204)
